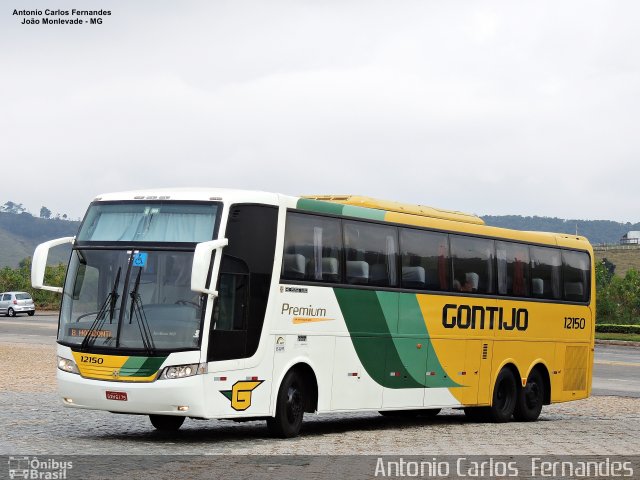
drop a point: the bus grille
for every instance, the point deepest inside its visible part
(575, 368)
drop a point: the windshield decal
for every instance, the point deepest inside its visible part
(140, 259)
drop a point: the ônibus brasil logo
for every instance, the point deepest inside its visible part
(27, 467)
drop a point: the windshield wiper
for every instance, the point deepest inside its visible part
(109, 302)
(141, 318)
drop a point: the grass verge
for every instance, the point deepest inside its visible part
(629, 337)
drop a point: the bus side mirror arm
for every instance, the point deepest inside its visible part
(201, 262)
(39, 263)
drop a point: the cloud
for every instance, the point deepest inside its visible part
(500, 107)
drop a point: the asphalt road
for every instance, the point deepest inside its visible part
(616, 371)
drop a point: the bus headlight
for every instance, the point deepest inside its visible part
(182, 371)
(67, 365)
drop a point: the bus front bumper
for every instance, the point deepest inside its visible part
(179, 396)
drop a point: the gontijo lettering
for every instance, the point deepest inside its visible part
(477, 317)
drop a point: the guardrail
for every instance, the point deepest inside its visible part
(615, 246)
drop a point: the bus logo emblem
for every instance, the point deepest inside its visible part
(116, 373)
(240, 393)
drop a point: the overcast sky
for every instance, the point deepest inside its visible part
(527, 107)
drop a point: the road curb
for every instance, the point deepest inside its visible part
(622, 343)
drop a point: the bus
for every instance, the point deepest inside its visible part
(230, 304)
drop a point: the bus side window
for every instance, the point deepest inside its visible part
(546, 271)
(312, 248)
(513, 269)
(576, 266)
(371, 254)
(425, 259)
(472, 260)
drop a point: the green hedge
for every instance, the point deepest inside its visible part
(618, 328)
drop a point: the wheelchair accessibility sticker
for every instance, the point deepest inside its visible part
(140, 259)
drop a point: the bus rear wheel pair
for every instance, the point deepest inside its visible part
(509, 400)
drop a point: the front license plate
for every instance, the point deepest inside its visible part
(122, 396)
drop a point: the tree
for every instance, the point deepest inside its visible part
(12, 207)
(45, 212)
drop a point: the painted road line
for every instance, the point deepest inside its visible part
(619, 364)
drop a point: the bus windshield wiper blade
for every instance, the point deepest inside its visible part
(111, 300)
(137, 309)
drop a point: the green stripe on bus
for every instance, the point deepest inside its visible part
(319, 206)
(413, 322)
(361, 212)
(141, 366)
(372, 320)
(369, 330)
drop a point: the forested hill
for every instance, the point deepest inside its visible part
(597, 231)
(21, 233)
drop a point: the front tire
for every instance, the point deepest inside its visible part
(530, 399)
(290, 406)
(11, 313)
(166, 423)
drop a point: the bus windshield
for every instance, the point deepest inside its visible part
(148, 222)
(130, 300)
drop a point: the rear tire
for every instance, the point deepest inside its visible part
(290, 406)
(503, 404)
(11, 313)
(166, 423)
(505, 397)
(31, 314)
(530, 399)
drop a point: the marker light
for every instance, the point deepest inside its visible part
(68, 366)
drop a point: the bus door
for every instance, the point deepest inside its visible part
(245, 277)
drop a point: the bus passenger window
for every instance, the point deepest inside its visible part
(425, 259)
(312, 248)
(370, 251)
(546, 270)
(472, 260)
(513, 269)
(576, 266)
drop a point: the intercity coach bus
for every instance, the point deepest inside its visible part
(229, 304)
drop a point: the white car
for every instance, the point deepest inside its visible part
(12, 303)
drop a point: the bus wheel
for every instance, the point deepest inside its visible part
(289, 407)
(166, 423)
(505, 395)
(530, 399)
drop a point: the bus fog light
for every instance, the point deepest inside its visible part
(67, 365)
(183, 408)
(68, 400)
(183, 371)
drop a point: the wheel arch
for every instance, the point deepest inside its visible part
(541, 367)
(510, 365)
(310, 379)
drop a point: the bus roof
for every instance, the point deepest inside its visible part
(398, 207)
(454, 221)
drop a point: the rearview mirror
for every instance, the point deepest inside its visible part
(39, 263)
(201, 263)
